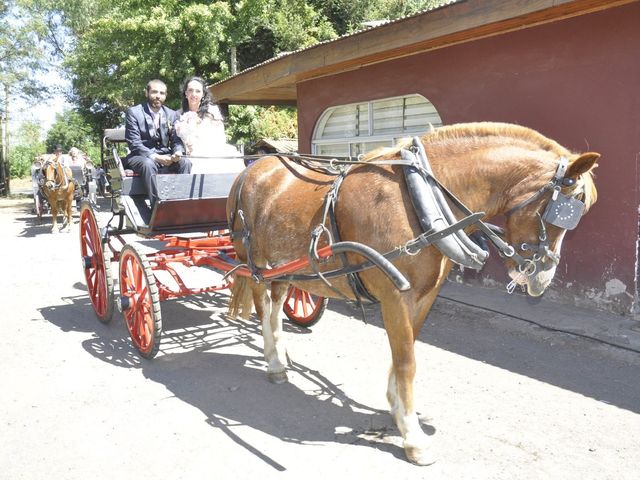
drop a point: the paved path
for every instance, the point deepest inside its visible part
(501, 398)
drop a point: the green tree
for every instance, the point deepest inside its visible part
(20, 58)
(347, 16)
(71, 130)
(247, 124)
(116, 46)
(26, 146)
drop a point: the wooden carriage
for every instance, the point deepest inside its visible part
(188, 220)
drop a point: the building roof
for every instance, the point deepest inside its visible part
(456, 21)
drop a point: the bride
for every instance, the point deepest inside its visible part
(201, 128)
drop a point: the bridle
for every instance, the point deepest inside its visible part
(562, 211)
(51, 183)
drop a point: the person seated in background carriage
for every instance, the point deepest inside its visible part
(78, 157)
(152, 139)
(57, 154)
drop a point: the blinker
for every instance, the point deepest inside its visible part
(568, 182)
(563, 211)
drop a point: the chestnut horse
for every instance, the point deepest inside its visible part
(59, 189)
(492, 168)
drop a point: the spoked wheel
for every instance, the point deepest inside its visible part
(96, 264)
(140, 301)
(38, 207)
(303, 308)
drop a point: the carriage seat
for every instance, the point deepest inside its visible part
(124, 172)
(186, 203)
(126, 180)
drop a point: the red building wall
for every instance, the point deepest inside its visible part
(576, 81)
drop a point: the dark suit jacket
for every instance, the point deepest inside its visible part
(140, 132)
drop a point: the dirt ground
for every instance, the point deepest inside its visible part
(500, 398)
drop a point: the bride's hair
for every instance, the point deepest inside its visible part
(206, 96)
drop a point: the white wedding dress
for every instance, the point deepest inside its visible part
(206, 143)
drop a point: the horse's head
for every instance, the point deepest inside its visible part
(536, 226)
(49, 172)
(55, 174)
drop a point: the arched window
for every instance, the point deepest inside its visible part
(361, 127)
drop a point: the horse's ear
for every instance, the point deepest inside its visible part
(582, 164)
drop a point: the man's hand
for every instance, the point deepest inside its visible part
(176, 157)
(164, 160)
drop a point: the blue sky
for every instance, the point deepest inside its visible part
(45, 112)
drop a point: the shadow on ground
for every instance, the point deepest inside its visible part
(232, 389)
(577, 364)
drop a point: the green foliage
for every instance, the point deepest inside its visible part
(27, 145)
(29, 134)
(20, 53)
(111, 48)
(347, 16)
(70, 130)
(247, 124)
(118, 45)
(20, 160)
(262, 29)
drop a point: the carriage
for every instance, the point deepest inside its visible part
(186, 228)
(397, 220)
(83, 176)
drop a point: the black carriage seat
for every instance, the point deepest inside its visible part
(186, 203)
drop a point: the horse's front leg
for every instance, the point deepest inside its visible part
(54, 214)
(268, 312)
(399, 326)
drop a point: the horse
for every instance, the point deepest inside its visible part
(495, 168)
(58, 188)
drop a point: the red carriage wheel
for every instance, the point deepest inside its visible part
(96, 264)
(303, 308)
(38, 206)
(140, 301)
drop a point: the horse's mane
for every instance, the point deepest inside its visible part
(477, 133)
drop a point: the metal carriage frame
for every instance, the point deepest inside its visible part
(189, 221)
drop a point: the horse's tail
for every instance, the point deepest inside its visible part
(241, 300)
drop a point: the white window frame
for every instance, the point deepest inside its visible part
(350, 141)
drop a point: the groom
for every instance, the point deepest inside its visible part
(153, 142)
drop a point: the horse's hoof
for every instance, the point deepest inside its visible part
(278, 377)
(419, 455)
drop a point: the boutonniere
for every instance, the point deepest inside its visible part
(169, 125)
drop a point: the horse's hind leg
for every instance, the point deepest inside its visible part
(268, 312)
(68, 217)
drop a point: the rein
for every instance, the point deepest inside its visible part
(568, 211)
(562, 211)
